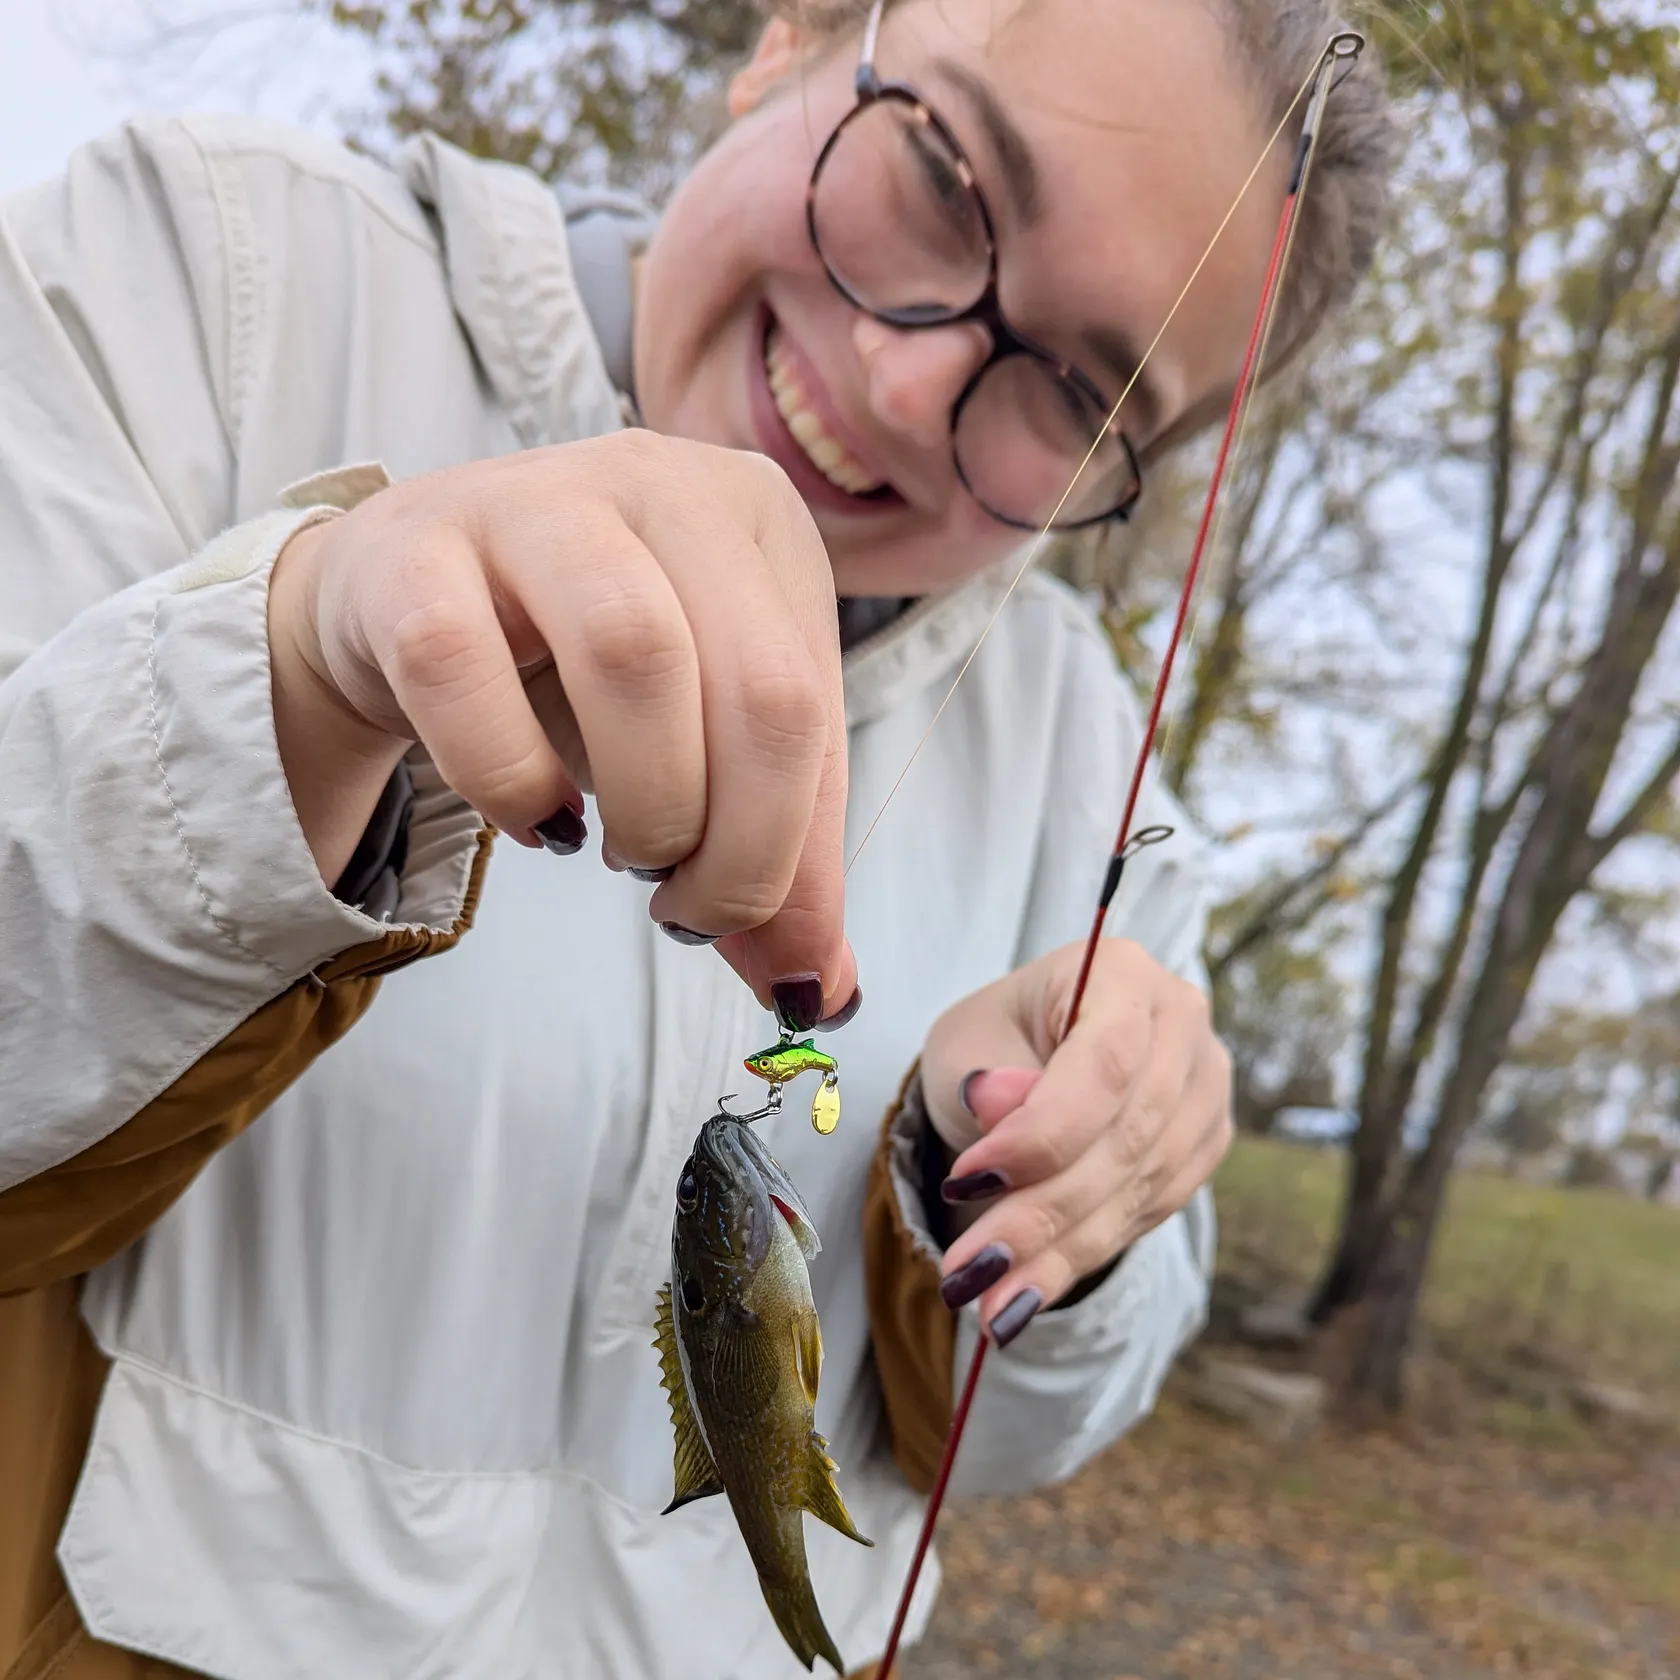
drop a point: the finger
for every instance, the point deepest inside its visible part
(630, 673)
(1150, 1197)
(450, 670)
(993, 1094)
(806, 934)
(547, 695)
(1083, 1093)
(987, 1096)
(765, 734)
(965, 1047)
(1037, 1216)
(771, 863)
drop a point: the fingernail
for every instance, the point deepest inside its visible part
(664, 874)
(687, 936)
(968, 1283)
(1015, 1317)
(829, 1023)
(564, 832)
(797, 1000)
(962, 1091)
(974, 1187)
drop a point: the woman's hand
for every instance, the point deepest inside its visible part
(643, 617)
(1068, 1152)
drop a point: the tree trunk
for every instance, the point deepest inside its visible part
(1393, 1290)
(1364, 1228)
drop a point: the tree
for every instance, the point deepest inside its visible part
(628, 93)
(1558, 746)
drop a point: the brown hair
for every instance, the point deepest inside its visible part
(1276, 42)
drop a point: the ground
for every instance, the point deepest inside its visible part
(1494, 1531)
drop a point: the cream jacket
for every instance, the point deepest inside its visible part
(383, 1400)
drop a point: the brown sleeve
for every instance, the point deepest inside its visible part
(74, 1216)
(66, 1220)
(51, 1375)
(913, 1331)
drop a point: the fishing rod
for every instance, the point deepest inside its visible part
(1343, 48)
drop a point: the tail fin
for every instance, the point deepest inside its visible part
(794, 1605)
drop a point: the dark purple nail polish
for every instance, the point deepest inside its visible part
(962, 1091)
(974, 1187)
(687, 936)
(1015, 1317)
(564, 832)
(797, 999)
(830, 1023)
(664, 874)
(970, 1282)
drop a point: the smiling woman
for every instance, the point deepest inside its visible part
(324, 555)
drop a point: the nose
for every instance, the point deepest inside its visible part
(913, 379)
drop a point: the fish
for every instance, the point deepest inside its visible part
(740, 1352)
(787, 1060)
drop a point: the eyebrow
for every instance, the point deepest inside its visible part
(1014, 155)
(1117, 351)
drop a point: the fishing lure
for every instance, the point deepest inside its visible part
(785, 1060)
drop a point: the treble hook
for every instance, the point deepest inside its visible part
(773, 1106)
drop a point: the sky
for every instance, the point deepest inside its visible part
(73, 69)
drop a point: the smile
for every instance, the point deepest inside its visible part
(821, 448)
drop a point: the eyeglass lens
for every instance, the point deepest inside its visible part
(897, 221)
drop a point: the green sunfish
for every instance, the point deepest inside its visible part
(740, 1349)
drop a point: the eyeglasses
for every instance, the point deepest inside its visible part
(898, 221)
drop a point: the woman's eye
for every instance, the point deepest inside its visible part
(688, 1191)
(940, 176)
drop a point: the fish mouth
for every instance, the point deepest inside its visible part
(734, 1151)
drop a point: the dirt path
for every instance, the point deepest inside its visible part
(1517, 1546)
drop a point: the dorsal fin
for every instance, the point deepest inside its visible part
(822, 1494)
(695, 1474)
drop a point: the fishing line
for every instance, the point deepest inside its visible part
(1216, 541)
(1037, 544)
(1345, 45)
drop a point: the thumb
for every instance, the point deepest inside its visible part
(977, 1066)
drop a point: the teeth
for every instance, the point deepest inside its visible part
(827, 454)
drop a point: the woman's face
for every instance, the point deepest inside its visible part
(1109, 138)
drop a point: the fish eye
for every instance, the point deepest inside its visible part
(688, 1190)
(694, 1297)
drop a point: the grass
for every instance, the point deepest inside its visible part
(1587, 1278)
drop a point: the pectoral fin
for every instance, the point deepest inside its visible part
(822, 1494)
(807, 1353)
(695, 1473)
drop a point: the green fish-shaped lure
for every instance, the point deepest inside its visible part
(787, 1060)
